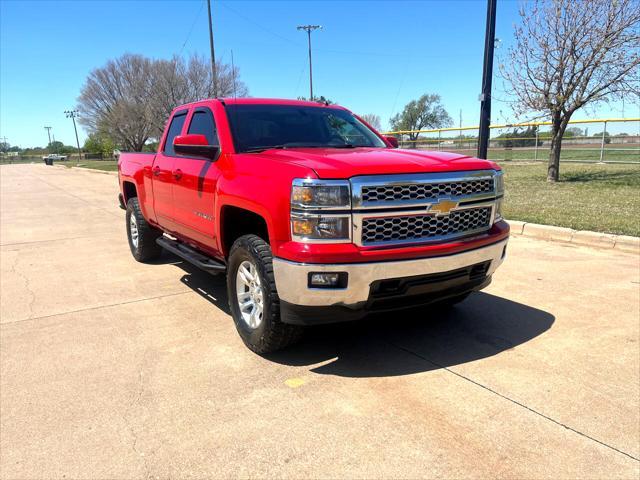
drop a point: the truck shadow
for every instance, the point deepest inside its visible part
(402, 342)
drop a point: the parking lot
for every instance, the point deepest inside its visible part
(115, 369)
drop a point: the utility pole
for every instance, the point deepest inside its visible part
(48, 129)
(309, 29)
(213, 54)
(73, 114)
(487, 74)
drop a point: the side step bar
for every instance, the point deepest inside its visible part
(191, 255)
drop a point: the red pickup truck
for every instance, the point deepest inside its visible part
(313, 216)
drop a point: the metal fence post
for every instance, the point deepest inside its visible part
(604, 133)
(439, 139)
(536, 149)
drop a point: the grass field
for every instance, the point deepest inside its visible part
(604, 198)
(105, 165)
(615, 153)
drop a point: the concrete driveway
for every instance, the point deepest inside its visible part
(114, 369)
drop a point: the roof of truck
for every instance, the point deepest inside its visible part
(272, 101)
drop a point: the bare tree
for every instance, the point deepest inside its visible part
(425, 112)
(130, 98)
(373, 120)
(570, 53)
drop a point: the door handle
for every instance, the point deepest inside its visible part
(156, 171)
(177, 174)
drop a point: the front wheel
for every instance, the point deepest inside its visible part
(253, 297)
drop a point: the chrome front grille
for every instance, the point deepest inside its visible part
(425, 191)
(428, 207)
(408, 228)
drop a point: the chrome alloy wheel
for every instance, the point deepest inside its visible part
(133, 230)
(249, 294)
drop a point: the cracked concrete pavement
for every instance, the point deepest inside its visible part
(114, 369)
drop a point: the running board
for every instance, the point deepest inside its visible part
(191, 255)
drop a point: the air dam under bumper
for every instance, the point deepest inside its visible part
(297, 298)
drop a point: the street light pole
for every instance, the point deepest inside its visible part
(73, 114)
(309, 29)
(213, 55)
(487, 74)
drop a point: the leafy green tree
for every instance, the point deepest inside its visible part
(573, 132)
(607, 137)
(97, 143)
(425, 112)
(517, 138)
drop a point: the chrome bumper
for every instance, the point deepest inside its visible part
(292, 278)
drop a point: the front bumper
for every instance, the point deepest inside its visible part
(292, 278)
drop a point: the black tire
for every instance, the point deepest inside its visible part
(271, 334)
(146, 248)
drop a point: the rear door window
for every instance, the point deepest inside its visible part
(174, 130)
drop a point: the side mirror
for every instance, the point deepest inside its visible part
(392, 140)
(195, 145)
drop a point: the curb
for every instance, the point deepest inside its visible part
(623, 243)
(85, 169)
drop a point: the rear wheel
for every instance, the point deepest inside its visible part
(142, 236)
(253, 297)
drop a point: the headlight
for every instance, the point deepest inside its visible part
(320, 227)
(310, 193)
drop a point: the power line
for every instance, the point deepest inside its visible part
(195, 20)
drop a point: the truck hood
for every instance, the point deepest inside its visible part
(340, 163)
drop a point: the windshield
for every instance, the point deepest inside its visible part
(259, 127)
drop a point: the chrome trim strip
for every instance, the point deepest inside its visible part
(292, 277)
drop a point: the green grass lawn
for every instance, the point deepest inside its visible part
(612, 153)
(106, 165)
(604, 198)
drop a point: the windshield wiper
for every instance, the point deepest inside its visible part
(343, 145)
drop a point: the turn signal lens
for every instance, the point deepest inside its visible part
(302, 195)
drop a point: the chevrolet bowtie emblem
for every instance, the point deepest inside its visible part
(443, 207)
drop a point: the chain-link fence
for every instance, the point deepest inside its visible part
(614, 140)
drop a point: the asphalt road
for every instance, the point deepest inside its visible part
(114, 369)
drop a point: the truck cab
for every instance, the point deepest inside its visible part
(312, 215)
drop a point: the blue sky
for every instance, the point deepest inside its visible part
(371, 56)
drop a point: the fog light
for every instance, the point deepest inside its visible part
(327, 279)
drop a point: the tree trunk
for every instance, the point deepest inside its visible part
(413, 143)
(557, 132)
